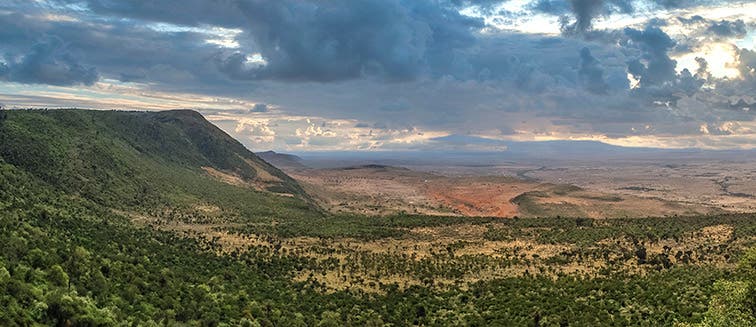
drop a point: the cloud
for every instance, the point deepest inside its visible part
(485, 6)
(48, 62)
(743, 86)
(678, 4)
(186, 12)
(725, 28)
(399, 66)
(346, 39)
(703, 68)
(695, 19)
(591, 73)
(259, 107)
(554, 7)
(658, 68)
(747, 64)
(585, 11)
(688, 83)
(66, 52)
(577, 17)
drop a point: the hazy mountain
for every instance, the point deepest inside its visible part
(282, 160)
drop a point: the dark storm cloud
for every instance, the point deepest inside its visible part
(577, 16)
(585, 11)
(692, 20)
(712, 29)
(48, 62)
(66, 52)
(346, 39)
(532, 63)
(657, 72)
(591, 73)
(392, 39)
(587, 7)
(301, 41)
(677, 4)
(654, 43)
(726, 28)
(322, 41)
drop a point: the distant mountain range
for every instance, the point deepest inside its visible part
(575, 149)
(536, 147)
(459, 149)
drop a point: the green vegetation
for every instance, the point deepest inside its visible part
(734, 300)
(142, 160)
(71, 183)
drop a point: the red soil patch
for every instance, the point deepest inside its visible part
(479, 198)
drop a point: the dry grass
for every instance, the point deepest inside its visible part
(460, 245)
(262, 174)
(225, 177)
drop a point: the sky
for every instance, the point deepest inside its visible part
(391, 75)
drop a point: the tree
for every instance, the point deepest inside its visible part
(4, 275)
(330, 319)
(640, 252)
(734, 301)
(729, 306)
(58, 276)
(72, 310)
(3, 114)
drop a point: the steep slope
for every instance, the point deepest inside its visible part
(128, 160)
(282, 160)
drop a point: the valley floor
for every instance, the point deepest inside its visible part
(564, 189)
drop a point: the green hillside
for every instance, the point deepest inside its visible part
(141, 160)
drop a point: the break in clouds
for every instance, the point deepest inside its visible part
(391, 74)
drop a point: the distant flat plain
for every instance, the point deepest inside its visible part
(596, 187)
